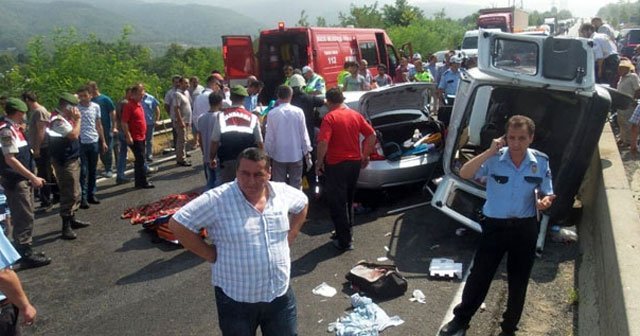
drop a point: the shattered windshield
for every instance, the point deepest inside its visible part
(515, 56)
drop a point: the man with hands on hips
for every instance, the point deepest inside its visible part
(252, 223)
(515, 175)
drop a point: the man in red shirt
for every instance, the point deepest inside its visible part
(340, 160)
(134, 127)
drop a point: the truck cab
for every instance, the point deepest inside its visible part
(551, 80)
(325, 50)
(469, 45)
(507, 19)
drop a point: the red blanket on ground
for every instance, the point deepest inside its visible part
(166, 206)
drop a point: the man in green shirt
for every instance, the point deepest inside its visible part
(421, 74)
(315, 83)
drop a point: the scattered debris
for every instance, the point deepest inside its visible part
(381, 259)
(388, 234)
(483, 307)
(443, 267)
(320, 320)
(324, 290)
(461, 232)
(436, 246)
(366, 318)
(386, 248)
(564, 235)
(418, 296)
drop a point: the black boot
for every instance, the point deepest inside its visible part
(67, 232)
(31, 259)
(84, 204)
(76, 224)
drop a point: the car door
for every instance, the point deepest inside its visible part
(515, 61)
(238, 57)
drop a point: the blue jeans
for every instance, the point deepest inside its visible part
(210, 176)
(275, 318)
(149, 141)
(107, 157)
(122, 156)
(88, 163)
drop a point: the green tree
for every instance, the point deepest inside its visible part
(367, 16)
(401, 14)
(69, 61)
(470, 22)
(179, 60)
(627, 13)
(321, 21)
(303, 21)
(428, 36)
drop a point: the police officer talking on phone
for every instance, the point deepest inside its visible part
(518, 184)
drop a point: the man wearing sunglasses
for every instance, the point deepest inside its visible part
(518, 182)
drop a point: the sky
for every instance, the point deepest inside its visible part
(579, 8)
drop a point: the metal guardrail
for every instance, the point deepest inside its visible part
(163, 124)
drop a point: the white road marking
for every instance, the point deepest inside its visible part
(456, 298)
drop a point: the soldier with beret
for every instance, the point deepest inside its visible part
(18, 181)
(64, 132)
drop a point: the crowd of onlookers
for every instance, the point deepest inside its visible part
(619, 72)
(55, 154)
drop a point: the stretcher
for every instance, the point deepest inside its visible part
(155, 216)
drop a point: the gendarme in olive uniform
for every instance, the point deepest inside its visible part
(64, 132)
(17, 181)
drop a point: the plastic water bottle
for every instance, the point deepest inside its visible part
(416, 135)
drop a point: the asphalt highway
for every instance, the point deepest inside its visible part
(116, 280)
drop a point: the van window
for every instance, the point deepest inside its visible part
(634, 36)
(369, 52)
(393, 60)
(515, 56)
(470, 42)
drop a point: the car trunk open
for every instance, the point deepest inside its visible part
(396, 113)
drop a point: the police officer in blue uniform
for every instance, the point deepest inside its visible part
(448, 86)
(14, 304)
(18, 182)
(518, 183)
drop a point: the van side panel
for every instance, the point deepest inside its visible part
(332, 48)
(324, 49)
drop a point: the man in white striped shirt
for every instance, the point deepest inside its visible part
(252, 222)
(605, 53)
(287, 139)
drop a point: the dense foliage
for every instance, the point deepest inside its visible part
(624, 13)
(66, 60)
(406, 23)
(73, 60)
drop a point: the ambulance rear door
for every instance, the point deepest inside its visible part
(239, 58)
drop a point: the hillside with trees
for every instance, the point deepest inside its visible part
(65, 44)
(155, 26)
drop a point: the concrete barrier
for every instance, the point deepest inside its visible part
(609, 232)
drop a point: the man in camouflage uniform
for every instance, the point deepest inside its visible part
(64, 132)
(18, 182)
